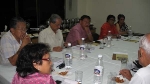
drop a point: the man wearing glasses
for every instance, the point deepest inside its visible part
(13, 41)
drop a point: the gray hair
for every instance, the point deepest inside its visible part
(53, 18)
(145, 43)
(15, 20)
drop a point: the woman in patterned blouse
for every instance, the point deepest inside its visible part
(34, 65)
(121, 25)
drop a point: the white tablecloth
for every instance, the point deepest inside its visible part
(87, 65)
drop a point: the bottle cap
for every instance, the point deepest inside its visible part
(69, 44)
(83, 38)
(99, 56)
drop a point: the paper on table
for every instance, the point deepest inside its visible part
(119, 56)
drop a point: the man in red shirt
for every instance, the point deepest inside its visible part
(108, 26)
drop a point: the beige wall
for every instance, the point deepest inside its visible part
(72, 12)
(136, 11)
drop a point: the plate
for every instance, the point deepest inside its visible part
(122, 78)
(62, 73)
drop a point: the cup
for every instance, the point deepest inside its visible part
(111, 78)
(78, 76)
(123, 63)
(89, 45)
(101, 44)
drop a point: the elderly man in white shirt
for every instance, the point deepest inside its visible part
(13, 41)
(53, 35)
(142, 76)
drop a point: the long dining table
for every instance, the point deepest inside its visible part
(87, 65)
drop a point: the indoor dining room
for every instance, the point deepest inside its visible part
(123, 46)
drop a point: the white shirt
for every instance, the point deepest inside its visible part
(53, 39)
(8, 47)
(142, 76)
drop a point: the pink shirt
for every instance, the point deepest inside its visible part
(76, 33)
(35, 78)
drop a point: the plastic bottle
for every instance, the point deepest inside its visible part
(109, 37)
(130, 32)
(82, 50)
(68, 56)
(98, 71)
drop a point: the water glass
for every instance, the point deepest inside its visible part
(101, 44)
(123, 63)
(118, 36)
(89, 45)
(78, 76)
(111, 78)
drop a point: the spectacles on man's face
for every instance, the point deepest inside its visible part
(22, 30)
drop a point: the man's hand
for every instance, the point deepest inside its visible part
(86, 29)
(57, 49)
(25, 40)
(126, 73)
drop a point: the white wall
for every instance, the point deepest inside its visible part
(136, 11)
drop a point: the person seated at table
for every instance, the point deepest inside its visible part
(108, 26)
(53, 35)
(121, 25)
(80, 30)
(143, 74)
(34, 65)
(13, 41)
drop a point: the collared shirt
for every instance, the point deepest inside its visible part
(8, 47)
(75, 34)
(142, 76)
(107, 27)
(53, 39)
(35, 78)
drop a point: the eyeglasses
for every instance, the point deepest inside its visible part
(121, 19)
(112, 19)
(22, 30)
(46, 59)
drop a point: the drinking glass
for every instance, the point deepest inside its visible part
(117, 36)
(123, 63)
(78, 76)
(101, 44)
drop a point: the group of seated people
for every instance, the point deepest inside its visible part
(33, 62)
(118, 28)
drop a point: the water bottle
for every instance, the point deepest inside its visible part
(98, 71)
(109, 37)
(68, 56)
(82, 49)
(109, 34)
(130, 33)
